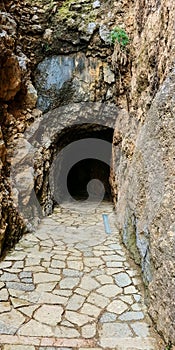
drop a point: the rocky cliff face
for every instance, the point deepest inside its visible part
(61, 52)
(143, 149)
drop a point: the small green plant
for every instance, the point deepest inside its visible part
(120, 35)
(169, 346)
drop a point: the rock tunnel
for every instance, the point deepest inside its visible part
(81, 164)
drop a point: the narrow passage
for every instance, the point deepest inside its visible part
(72, 286)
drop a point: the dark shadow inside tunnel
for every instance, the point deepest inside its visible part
(83, 153)
(83, 172)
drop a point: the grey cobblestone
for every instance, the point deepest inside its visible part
(69, 280)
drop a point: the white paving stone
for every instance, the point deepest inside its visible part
(77, 318)
(49, 314)
(90, 310)
(75, 302)
(10, 322)
(43, 277)
(98, 300)
(110, 290)
(89, 331)
(88, 283)
(122, 279)
(104, 279)
(36, 329)
(69, 283)
(117, 306)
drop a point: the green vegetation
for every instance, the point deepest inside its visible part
(169, 346)
(120, 35)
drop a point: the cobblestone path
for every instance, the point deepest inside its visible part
(72, 286)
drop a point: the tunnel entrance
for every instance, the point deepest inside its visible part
(83, 154)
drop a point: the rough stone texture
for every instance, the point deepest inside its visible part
(147, 202)
(53, 316)
(143, 151)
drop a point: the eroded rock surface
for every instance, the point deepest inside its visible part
(138, 80)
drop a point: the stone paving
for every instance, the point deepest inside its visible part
(72, 286)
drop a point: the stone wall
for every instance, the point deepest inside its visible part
(143, 156)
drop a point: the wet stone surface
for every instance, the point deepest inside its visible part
(71, 283)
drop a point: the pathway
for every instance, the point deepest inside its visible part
(72, 286)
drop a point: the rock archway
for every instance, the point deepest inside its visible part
(51, 133)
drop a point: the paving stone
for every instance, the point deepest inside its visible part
(46, 287)
(115, 246)
(43, 277)
(16, 302)
(88, 283)
(109, 290)
(127, 299)
(141, 329)
(137, 297)
(90, 310)
(76, 265)
(2, 285)
(112, 270)
(36, 329)
(28, 310)
(117, 330)
(66, 332)
(5, 306)
(54, 271)
(75, 302)
(18, 347)
(15, 256)
(53, 348)
(131, 316)
(88, 331)
(92, 262)
(114, 264)
(4, 295)
(82, 291)
(58, 264)
(4, 264)
(129, 343)
(98, 300)
(104, 279)
(63, 292)
(32, 261)
(136, 307)
(20, 286)
(71, 273)
(25, 274)
(67, 324)
(122, 279)
(117, 306)
(50, 298)
(130, 290)
(112, 258)
(77, 319)
(49, 314)
(69, 283)
(108, 317)
(7, 277)
(10, 322)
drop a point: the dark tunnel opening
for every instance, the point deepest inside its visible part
(85, 171)
(84, 153)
